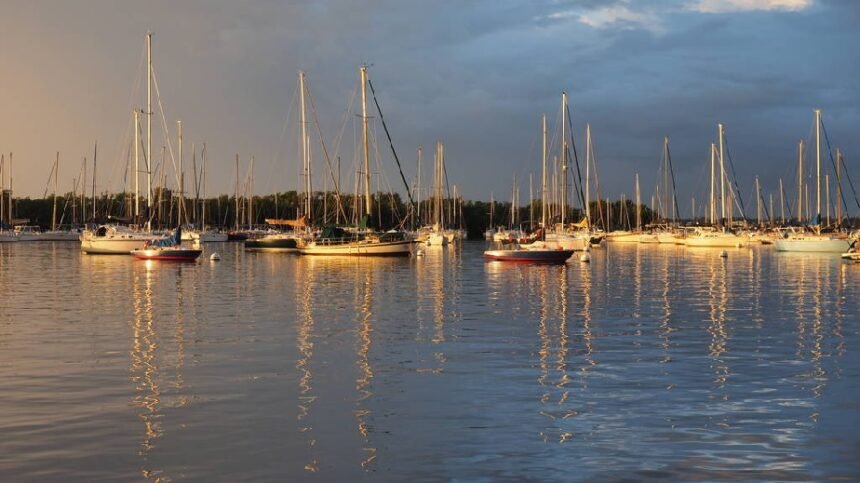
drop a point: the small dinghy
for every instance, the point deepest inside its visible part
(167, 248)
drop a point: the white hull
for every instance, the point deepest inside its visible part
(812, 243)
(719, 240)
(622, 237)
(565, 242)
(7, 237)
(111, 240)
(361, 248)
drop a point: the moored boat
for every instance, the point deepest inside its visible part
(278, 242)
(113, 240)
(168, 248)
(530, 255)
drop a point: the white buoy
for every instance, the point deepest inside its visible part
(215, 257)
(724, 254)
(585, 257)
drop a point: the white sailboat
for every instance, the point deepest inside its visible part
(334, 241)
(55, 233)
(814, 241)
(120, 240)
(718, 236)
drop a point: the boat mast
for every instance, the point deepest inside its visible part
(148, 153)
(818, 166)
(54, 209)
(367, 201)
(713, 207)
(722, 176)
(418, 188)
(757, 202)
(203, 188)
(95, 153)
(563, 158)
(181, 177)
(800, 182)
(543, 181)
(587, 174)
(136, 166)
(236, 196)
(305, 158)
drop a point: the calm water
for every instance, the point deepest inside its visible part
(650, 362)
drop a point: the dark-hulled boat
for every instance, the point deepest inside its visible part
(529, 255)
(168, 248)
(281, 242)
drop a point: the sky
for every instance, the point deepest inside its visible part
(474, 74)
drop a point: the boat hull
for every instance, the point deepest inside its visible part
(169, 254)
(112, 246)
(284, 245)
(529, 256)
(401, 248)
(727, 241)
(812, 244)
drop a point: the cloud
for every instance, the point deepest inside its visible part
(729, 6)
(621, 15)
(609, 14)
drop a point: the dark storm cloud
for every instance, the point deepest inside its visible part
(476, 75)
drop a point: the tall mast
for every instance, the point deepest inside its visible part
(543, 181)
(305, 158)
(11, 206)
(203, 188)
(237, 192)
(136, 166)
(181, 177)
(148, 153)
(418, 188)
(95, 153)
(713, 206)
(587, 174)
(54, 209)
(757, 201)
(722, 176)
(563, 158)
(367, 201)
(818, 164)
(251, 196)
(800, 182)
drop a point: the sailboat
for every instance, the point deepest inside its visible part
(336, 241)
(814, 241)
(168, 248)
(435, 235)
(558, 236)
(718, 235)
(625, 236)
(114, 239)
(56, 234)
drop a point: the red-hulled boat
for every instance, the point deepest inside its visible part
(168, 248)
(530, 255)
